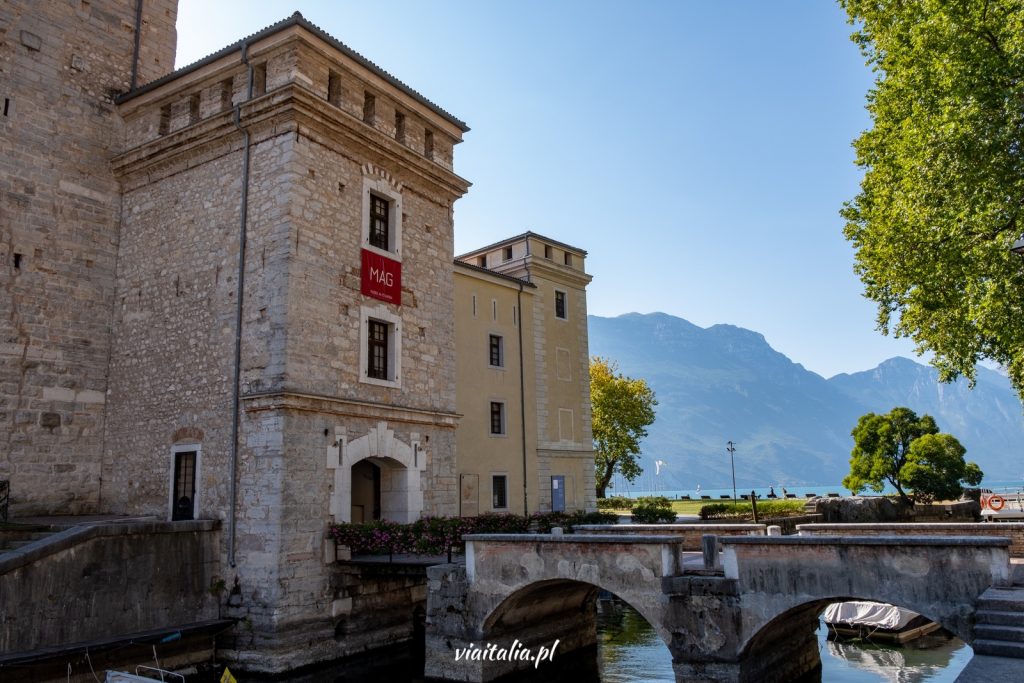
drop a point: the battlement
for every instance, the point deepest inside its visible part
(293, 53)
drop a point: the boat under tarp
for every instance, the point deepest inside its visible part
(875, 621)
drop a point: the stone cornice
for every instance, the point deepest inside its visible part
(333, 405)
(539, 266)
(290, 108)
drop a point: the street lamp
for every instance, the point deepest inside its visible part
(731, 447)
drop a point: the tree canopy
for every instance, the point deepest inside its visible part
(941, 198)
(622, 408)
(910, 454)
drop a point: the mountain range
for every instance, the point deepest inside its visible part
(790, 426)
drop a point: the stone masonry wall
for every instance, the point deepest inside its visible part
(61, 65)
(99, 582)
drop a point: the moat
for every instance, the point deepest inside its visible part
(629, 651)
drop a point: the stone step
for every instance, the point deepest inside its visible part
(998, 648)
(999, 632)
(1008, 599)
(1000, 617)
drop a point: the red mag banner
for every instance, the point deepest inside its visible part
(381, 278)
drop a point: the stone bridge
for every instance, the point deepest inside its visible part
(751, 617)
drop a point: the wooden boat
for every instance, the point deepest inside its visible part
(876, 621)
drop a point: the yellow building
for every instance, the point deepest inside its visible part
(522, 382)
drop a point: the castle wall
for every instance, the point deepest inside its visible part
(62, 64)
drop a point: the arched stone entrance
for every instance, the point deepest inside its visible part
(380, 469)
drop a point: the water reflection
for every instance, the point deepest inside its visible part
(630, 651)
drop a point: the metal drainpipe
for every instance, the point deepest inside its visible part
(522, 377)
(236, 397)
(138, 43)
(522, 395)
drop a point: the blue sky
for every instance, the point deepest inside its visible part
(699, 151)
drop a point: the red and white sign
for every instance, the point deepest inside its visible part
(381, 277)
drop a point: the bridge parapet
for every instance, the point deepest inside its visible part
(1012, 530)
(690, 534)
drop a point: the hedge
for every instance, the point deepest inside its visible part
(765, 509)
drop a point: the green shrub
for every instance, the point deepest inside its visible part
(653, 510)
(615, 503)
(743, 511)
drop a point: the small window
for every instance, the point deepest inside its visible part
(165, 119)
(193, 108)
(369, 108)
(494, 309)
(560, 305)
(428, 144)
(474, 305)
(379, 222)
(259, 79)
(334, 88)
(482, 261)
(497, 417)
(499, 492)
(496, 351)
(547, 251)
(568, 259)
(377, 350)
(226, 91)
(400, 126)
(508, 253)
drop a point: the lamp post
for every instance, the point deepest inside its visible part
(731, 447)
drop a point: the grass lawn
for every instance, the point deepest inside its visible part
(692, 507)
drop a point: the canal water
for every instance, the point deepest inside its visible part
(629, 651)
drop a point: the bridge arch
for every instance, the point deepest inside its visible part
(536, 602)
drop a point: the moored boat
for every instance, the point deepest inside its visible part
(1002, 506)
(875, 621)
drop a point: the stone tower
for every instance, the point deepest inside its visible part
(62, 64)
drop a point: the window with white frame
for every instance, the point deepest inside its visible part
(382, 217)
(499, 491)
(497, 418)
(496, 351)
(380, 354)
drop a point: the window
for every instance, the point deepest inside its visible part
(334, 88)
(377, 351)
(499, 491)
(496, 351)
(382, 215)
(380, 347)
(547, 251)
(497, 418)
(428, 144)
(508, 253)
(568, 259)
(369, 107)
(482, 261)
(259, 79)
(560, 305)
(399, 126)
(183, 494)
(379, 222)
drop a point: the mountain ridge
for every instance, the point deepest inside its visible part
(791, 425)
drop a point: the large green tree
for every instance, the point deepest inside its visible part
(622, 408)
(909, 453)
(943, 190)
